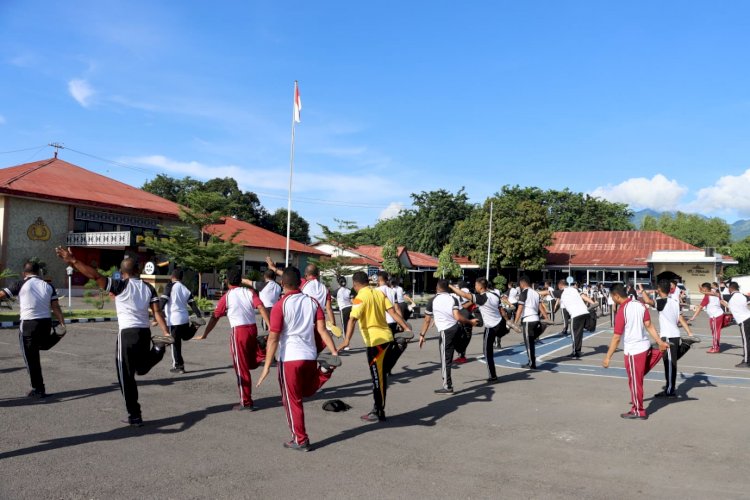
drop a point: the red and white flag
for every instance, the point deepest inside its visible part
(297, 103)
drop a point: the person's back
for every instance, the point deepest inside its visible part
(34, 297)
(133, 297)
(314, 288)
(239, 305)
(297, 336)
(369, 307)
(571, 300)
(630, 320)
(176, 305)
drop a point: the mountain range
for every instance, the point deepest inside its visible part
(740, 229)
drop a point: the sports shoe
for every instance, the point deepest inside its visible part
(177, 369)
(195, 320)
(291, 445)
(444, 392)
(161, 341)
(347, 348)
(742, 365)
(373, 417)
(712, 351)
(514, 326)
(403, 336)
(36, 394)
(492, 380)
(328, 361)
(690, 340)
(460, 360)
(529, 366)
(633, 416)
(241, 407)
(593, 307)
(133, 422)
(665, 394)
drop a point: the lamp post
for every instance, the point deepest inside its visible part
(70, 270)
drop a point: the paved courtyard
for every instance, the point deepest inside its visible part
(553, 433)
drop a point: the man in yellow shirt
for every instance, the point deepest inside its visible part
(369, 308)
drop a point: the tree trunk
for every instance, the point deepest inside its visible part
(200, 285)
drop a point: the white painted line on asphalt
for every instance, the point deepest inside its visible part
(543, 356)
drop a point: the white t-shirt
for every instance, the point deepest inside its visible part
(390, 294)
(712, 305)
(177, 298)
(294, 317)
(530, 300)
(441, 308)
(238, 304)
(738, 307)
(315, 289)
(572, 302)
(34, 297)
(630, 323)
(513, 294)
(669, 317)
(399, 294)
(344, 297)
(269, 293)
(133, 298)
(489, 306)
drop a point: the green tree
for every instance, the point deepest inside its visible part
(299, 228)
(433, 218)
(342, 238)
(740, 251)
(391, 262)
(447, 267)
(172, 189)
(520, 232)
(691, 228)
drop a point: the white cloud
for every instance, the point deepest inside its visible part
(728, 194)
(657, 193)
(391, 211)
(2, 120)
(81, 91)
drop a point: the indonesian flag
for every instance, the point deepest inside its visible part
(297, 103)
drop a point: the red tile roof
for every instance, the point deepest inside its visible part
(57, 180)
(374, 252)
(252, 236)
(419, 259)
(464, 261)
(609, 248)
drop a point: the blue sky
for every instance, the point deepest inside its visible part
(642, 102)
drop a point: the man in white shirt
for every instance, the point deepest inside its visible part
(296, 322)
(385, 287)
(711, 303)
(344, 303)
(529, 309)
(312, 287)
(443, 310)
(175, 302)
(669, 319)
(238, 305)
(133, 301)
(36, 298)
(737, 305)
(574, 302)
(632, 323)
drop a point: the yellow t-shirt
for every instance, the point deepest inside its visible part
(369, 307)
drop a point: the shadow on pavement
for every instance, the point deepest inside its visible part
(161, 426)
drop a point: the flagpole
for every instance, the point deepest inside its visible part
(291, 172)
(489, 243)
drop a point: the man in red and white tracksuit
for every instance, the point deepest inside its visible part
(296, 321)
(631, 323)
(239, 304)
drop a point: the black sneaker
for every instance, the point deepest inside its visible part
(444, 392)
(633, 416)
(195, 320)
(742, 365)
(665, 394)
(241, 407)
(291, 445)
(36, 394)
(690, 340)
(177, 369)
(328, 361)
(492, 380)
(133, 422)
(529, 366)
(403, 336)
(161, 341)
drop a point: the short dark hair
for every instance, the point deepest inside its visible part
(483, 281)
(312, 270)
(395, 282)
(234, 276)
(442, 286)
(360, 277)
(706, 285)
(270, 274)
(290, 278)
(178, 273)
(130, 266)
(525, 279)
(562, 282)
(463, 284)
(733, 285)
(383, 275)
(664, 286)
(31, 266)
(619, 290)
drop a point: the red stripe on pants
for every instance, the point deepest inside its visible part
(246, 356)
(297, 380)
(637, 366)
